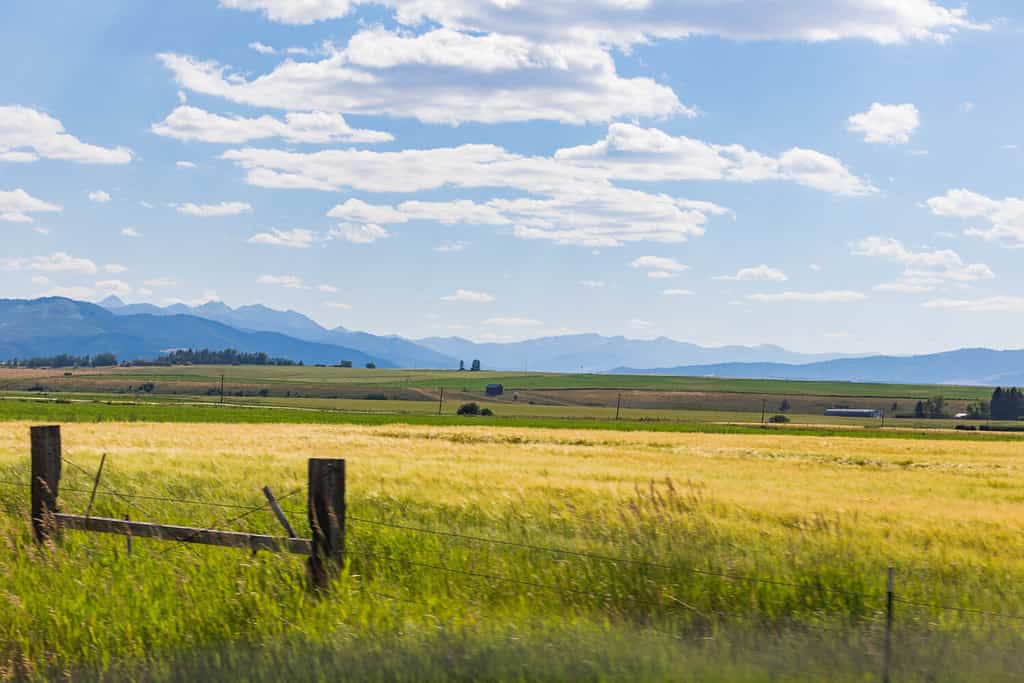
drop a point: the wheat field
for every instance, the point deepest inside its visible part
(740, 557)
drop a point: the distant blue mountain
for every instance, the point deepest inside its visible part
(984, 367)
(50, 326)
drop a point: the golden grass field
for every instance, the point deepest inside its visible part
(818, 512)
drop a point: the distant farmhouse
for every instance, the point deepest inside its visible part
(495, 389)
(852, 412)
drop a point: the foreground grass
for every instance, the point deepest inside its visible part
(820, 518)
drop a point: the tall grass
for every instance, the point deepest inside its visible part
(687, 514)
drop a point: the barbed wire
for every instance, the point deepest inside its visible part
(963, 610)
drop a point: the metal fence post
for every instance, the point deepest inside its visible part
(890, 598)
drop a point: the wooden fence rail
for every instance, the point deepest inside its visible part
(325, 503)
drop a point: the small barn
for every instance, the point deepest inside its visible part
(853, 412)
(495, 389)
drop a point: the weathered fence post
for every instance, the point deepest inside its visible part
(326, 518)
(890, 599)
(46, 461)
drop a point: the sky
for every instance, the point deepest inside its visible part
(826, 175)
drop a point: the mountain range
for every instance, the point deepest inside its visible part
(50, 326)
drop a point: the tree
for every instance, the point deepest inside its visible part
(470, 409)
(101, 360)
(979, 410)
(785, 406)
(345, 364)
(371, 366)
(1007, 404)
(475, 367)
(462, 366)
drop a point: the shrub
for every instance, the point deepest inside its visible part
(486, 412)
(471, 409)
(778, 419)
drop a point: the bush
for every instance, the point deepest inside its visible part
(778, 419)
(486, 412)
(471, 409)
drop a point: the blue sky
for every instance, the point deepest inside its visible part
(824, 175)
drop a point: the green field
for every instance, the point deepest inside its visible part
(747, 555)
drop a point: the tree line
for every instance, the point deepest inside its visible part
(63, 360)
(223, 357)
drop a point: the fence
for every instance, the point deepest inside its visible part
(328, 519)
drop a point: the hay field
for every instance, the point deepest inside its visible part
(820, 517)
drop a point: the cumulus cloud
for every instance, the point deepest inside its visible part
(192, 123)
(296, 239)
(992, 304)
(470, 296)
(215, 210)
(924, 268)
(161, 282)
(761, 272)
(99, 196)
(658, 263)
(443, 76)
(28, 135)
(1002, 220)
(289, 281)
(327, 289)
(450, 247)
(58, 262)
(359, 233)
(513, 322)
(592, 284)
(629, 22)
(261, 48)
(116, 287)
(891, 124)
(130, 232)
(829, 296)
(115, 268)
(188, 165)
(16, 205)
(676, 292)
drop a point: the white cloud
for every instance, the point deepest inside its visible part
(592, 284)
(443, 76)
(891, 124)
(661, 275)
(830, 296)
(904, 287)
(630, 152)
(296, 239)
(677, 292)
(16, 205)
(338, 305)
(921, 268)
(327, 289)
(58, 262)
(117, 287)
(79, 293)
(261, 48)
(27, 135)
(130, 232)
(469, 296)
(658, 263)
(192, 123)
(161, 282)
(992, 304)
(450, 247)
(99, 196)
(571, 198)
(289, 281)
(627, 22)
(188, 165)
(761, 272)
(215, 210)
(1005, 218)
(115, 268)
(359, 233)
(513, 322)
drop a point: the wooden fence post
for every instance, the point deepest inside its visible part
(46, 461)
(326, 518)
(890, 598)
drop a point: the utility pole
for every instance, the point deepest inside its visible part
(882, 411)
(440, 401)
(764, 404)
(618, 407)
(222, 389)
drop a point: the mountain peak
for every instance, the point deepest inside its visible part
(112, 302)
